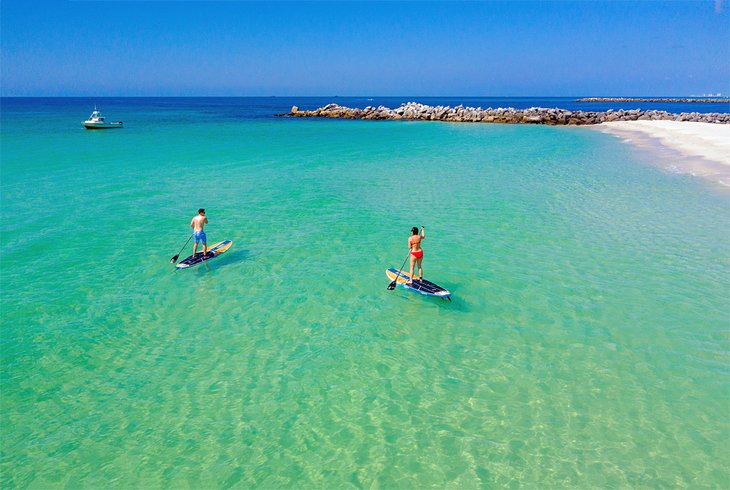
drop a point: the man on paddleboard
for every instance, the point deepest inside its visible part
(197, 224)
(414, 245)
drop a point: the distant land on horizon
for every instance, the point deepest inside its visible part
(469, 96)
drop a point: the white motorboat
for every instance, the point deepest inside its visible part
(97, 121)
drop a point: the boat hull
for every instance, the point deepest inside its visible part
(102, 125)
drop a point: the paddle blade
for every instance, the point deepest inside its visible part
(391, 286)
(174, 259)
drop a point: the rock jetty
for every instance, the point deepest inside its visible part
(533, 115)
(714, 100)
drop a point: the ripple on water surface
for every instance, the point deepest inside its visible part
(586, 344)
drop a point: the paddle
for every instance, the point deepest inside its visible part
(391, 286)
(174, 259)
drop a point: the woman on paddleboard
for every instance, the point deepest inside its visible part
(414, 245)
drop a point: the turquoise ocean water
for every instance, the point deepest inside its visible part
(586, 346)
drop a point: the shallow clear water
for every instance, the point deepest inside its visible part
(587, 343)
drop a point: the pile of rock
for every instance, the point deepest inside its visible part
(533, 115)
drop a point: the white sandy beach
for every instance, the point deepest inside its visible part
(706, 146)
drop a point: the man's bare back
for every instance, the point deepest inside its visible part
(198, 223)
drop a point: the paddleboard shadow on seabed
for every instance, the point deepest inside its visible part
(226, 259)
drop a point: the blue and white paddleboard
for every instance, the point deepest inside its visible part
(213, 252)
(420, 286)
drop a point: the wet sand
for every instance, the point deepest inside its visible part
(700, 149)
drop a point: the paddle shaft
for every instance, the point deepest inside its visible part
(391, 286)
(172, 260)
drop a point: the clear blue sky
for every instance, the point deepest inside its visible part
(183, 48)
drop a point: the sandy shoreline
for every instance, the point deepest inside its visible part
(706, 146)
